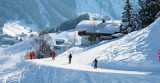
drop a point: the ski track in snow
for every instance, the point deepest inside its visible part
(50, 62)
(48, 67)
(44, 69)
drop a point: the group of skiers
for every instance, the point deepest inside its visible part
(31, 56)
(95, 61)
(54, 55)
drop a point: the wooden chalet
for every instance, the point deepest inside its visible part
(94, 36)
(93, 32)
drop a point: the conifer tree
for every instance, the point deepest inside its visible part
(149, 10)
(127, 18)
(136, 21)
(41, 45)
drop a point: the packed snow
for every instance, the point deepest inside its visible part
(132, 58)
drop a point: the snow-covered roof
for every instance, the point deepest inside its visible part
(99, 26)
(88, 25)
(62, 40)
(109, 27)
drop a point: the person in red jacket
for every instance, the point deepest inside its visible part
(33, 55)
(29, 56)
(159, 55)
(53, 55)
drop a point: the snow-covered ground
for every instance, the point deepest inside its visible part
(132, 58)
(15, 28)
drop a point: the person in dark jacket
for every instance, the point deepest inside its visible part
(70, 57)
(95, 63)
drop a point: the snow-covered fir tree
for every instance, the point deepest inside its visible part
(127, 18)
(40, 45)
(149, 10)
(136, 21)
(158, 15)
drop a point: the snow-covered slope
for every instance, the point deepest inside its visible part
(132, 58)
(137, 49)
(49, 13)
(38, 73)
(16, 28)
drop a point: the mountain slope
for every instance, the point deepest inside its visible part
(44, 13)
(111, 9)
(49, 13)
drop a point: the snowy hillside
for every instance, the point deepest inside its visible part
(132, 58)
(49, 13)
(137, 49)
(16, 28)
(44, 13)
(111, 9)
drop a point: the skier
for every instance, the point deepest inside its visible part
(159, 55)
(53, 55)
(70, 57)
(31, 55)
(28, 56)
(95, 63)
